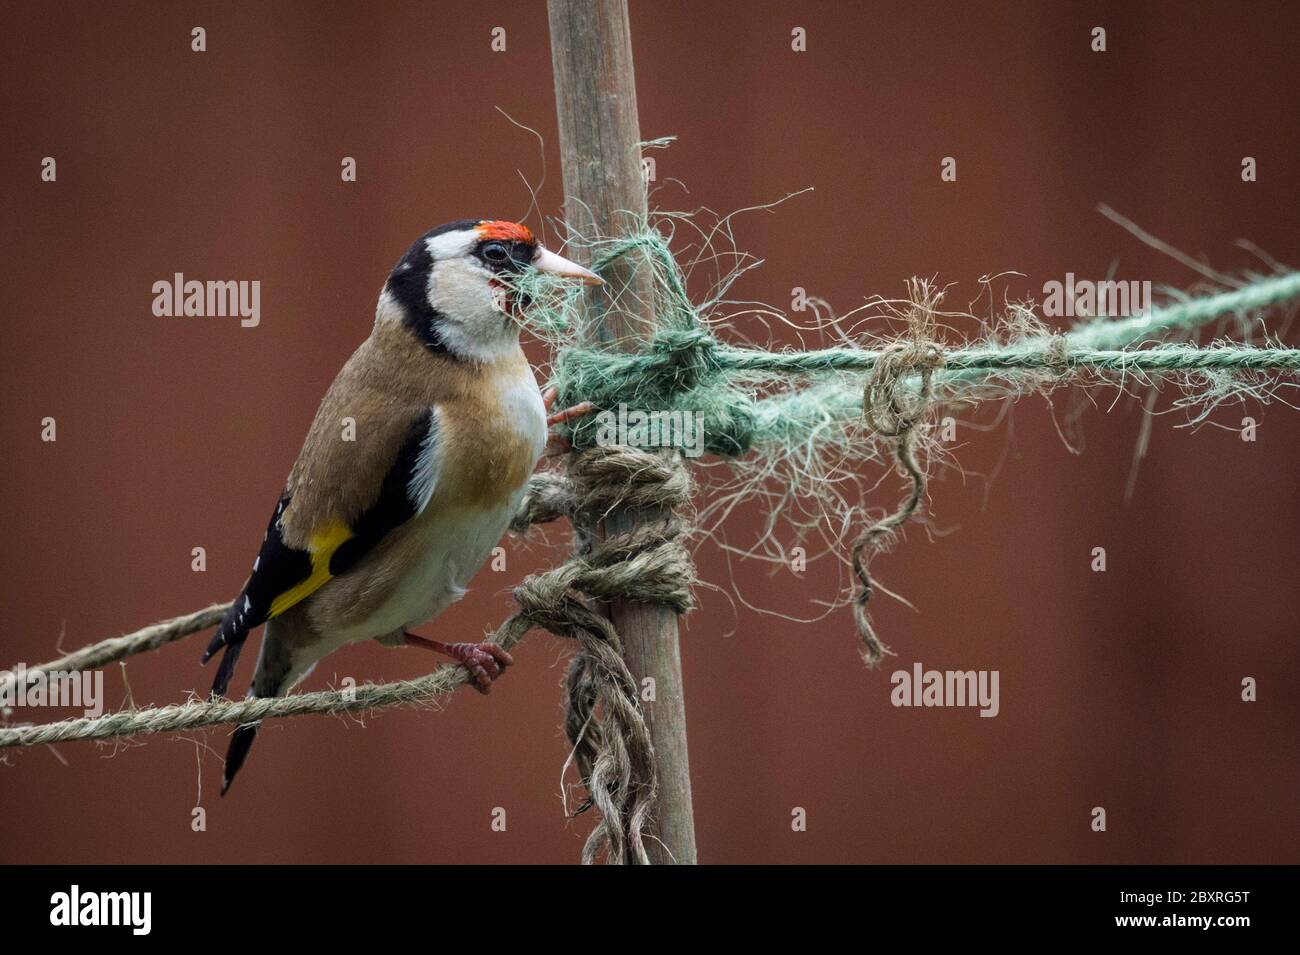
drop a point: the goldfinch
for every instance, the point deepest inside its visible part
(411, 472)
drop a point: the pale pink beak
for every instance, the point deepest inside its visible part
(548, 261)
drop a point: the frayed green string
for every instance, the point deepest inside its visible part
(749, 397)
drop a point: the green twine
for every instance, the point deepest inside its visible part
(748, 397)
(1190, 313)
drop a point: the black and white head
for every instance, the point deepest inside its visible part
(453, 287)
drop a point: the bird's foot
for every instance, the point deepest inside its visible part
(485, 661)
(555, 443)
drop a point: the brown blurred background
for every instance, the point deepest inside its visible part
(1119, 690)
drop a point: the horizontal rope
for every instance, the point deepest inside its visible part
(196, 714)
(200, 713)
(1028, 357)
(744, 397)
(119, 648)
(1191, 312)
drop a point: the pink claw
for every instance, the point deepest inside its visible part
(568, 414)
(485, 661)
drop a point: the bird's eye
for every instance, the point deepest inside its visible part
(496, 253)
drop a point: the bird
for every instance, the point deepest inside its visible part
(410, 473)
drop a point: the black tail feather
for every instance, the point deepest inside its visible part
(226, 668)
(240, 744)
(231, 634)
(272, 676)
(216, 643)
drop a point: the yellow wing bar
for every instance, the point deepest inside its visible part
(321, 546)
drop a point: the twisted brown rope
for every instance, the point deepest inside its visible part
(604, 721)
(119, 648)
(891, 411)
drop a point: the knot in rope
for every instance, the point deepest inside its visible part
(603, 720)
(687, 357)
(884, 405)
(890, 413)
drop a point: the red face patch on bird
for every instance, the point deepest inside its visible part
(505, 231)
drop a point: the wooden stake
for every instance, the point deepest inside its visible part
(595, 93)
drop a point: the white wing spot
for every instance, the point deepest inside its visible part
(424, 478)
